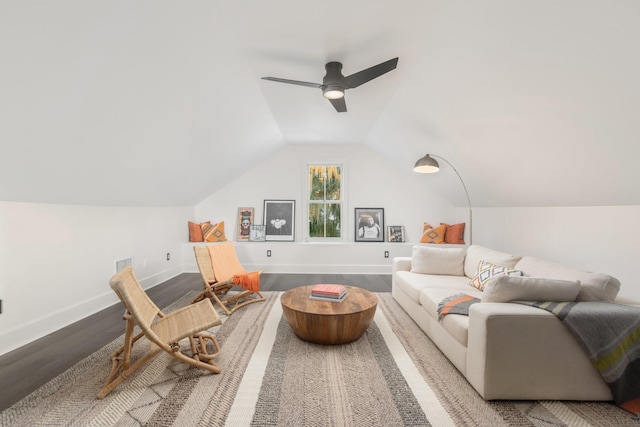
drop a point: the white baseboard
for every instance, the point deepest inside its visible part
(161, 277)
(308, 269)
(53, 321)
(58, 319)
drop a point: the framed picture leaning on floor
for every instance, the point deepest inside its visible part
(369, 224)
(279, 220)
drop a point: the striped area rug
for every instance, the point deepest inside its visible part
(392, 376)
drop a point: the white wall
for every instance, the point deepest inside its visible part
(311, 258)
(56, 261)
(604, 239)
(372, 182)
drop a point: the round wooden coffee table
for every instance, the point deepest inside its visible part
(327, 322)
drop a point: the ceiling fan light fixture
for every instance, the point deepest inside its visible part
(334, 83)
(333, 93)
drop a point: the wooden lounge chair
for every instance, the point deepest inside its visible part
(163, 334)
(221, 270)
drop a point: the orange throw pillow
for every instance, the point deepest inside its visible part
(195, 231)
(434, 235)
(213, 233)
(454, 233)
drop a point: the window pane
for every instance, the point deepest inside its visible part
(334, 174)
(324, 201)
(316, 182)
(316, 220)
(333, 220)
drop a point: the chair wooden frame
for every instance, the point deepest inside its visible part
(214, 289)
(163, 331)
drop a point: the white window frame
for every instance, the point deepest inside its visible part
(343, 202)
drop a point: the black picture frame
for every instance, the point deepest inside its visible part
(369, 224)
(279, 220)
(395, 233)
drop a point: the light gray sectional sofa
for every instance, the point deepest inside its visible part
(505, 350)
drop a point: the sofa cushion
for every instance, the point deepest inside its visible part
(593, 286)
(514, 288)
(476, 253)
(429, 260)
(456, 324)
(412, 283)
(487, 270)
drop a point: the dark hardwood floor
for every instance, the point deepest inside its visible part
(29, 367)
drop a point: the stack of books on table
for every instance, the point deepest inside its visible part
(335, 293)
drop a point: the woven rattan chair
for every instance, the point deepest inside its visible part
(163, 331)
(217, 284)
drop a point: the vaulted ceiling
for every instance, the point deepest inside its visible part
(536, 102)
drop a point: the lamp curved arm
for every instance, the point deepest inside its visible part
(465, 192)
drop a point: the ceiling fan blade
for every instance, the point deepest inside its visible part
(339, 104)
(355, 80)
(293, 82)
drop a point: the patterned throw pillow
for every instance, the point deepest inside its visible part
(486, 270)
(195, 231)
(454, 233)
(214, 233)
(434, 235)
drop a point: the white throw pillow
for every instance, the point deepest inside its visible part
(515, 288)
(593, 286)
(477, 253)
(486, 270)
(429, 260)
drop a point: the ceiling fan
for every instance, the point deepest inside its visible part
(334, 83)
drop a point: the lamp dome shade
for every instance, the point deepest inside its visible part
(426, 164)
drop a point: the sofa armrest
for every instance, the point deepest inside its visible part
(400, 263)
(626, 301)
(513, 344)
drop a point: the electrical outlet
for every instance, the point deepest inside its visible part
(168, 256)
(386, 254)
(269, 253)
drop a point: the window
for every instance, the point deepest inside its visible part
(325, 201)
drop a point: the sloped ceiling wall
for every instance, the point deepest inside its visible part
(536, 103)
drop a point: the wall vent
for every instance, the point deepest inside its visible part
(119, 264)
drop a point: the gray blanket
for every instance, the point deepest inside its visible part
(610, 335)
(456, 304)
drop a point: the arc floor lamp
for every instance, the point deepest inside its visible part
(428, 164)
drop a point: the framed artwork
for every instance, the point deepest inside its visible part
(245, 220)
(279, 220)
(395, 233)
(369, 224)
(256, 233)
